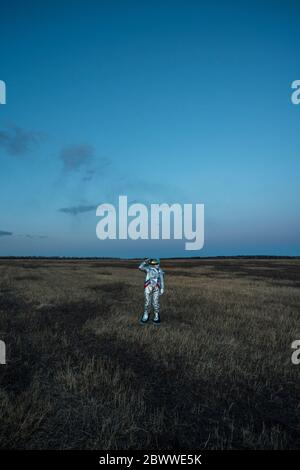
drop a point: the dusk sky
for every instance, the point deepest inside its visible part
(162, 101)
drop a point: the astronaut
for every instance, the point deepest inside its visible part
(153, 288)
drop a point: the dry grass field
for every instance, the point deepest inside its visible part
(82, 373)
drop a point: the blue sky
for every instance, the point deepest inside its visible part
(164, 101)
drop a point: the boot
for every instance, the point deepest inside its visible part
(156, 319)
(144, 318)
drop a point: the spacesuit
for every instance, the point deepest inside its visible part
(153, 288)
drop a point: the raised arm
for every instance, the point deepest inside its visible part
(144, 265)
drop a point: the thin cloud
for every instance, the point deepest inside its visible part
(75, 210)
(145, 189)
(29, 235)
(89, 175)
(17, 141)
(35, 236)
(3, 233)
(76, 156)
(82, 157)
(99, 169)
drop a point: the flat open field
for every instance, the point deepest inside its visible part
(82, 373)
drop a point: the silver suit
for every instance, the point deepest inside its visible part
(153, 288)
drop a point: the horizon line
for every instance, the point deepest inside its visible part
(138, 258)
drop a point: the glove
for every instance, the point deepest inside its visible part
(161, 291)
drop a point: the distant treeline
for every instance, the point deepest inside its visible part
(129, 259)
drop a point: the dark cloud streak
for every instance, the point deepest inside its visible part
(3, 233)
(75, 210)
(17, 141)
(76, 156)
